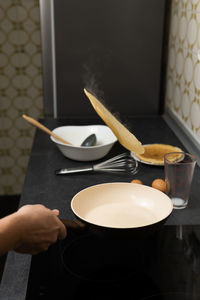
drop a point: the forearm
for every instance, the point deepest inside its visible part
(10, 233)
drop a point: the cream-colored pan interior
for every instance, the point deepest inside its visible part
(121, 205)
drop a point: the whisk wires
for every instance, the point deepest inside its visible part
(121, 163)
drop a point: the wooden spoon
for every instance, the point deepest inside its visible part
(124, 136)
(45, 129)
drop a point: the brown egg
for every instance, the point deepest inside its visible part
(136, 181)
(159, 184)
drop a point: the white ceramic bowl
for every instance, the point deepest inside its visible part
(77, 134)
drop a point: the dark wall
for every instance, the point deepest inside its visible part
(113, 47)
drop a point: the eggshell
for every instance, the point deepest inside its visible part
(136, 181)
(159, 184)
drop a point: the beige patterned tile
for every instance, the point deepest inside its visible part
(183, 73)
(20, 88)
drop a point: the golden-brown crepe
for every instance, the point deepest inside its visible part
(154, 153)
(124, 136)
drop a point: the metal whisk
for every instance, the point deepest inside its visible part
(123, 163)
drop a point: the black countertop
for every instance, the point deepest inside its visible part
(43, 186)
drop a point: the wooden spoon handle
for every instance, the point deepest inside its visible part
(45, 129)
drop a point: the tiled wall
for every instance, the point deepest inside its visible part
(183, 73)
(20, 88)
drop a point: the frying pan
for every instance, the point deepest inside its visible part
(121, 209)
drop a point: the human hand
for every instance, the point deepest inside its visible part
(39, 227)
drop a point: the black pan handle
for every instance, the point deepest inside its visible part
(75, 225)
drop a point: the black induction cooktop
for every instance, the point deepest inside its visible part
(165, 265)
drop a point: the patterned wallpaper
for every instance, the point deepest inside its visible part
(183, 72)
(20, 88)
